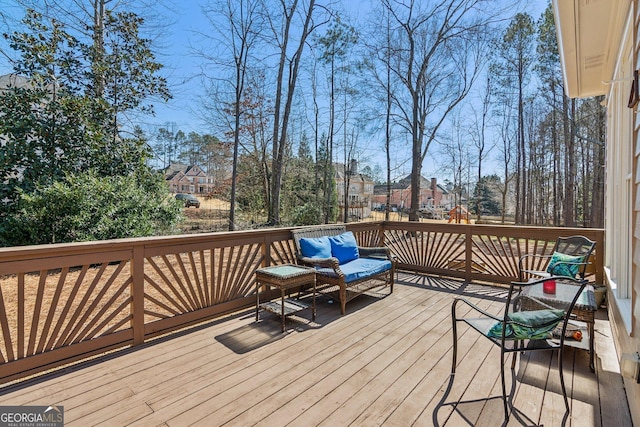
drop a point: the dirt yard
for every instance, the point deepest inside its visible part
(212, 215)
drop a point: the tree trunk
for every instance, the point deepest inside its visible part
(280, 125)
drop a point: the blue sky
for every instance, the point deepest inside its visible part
(182, 63)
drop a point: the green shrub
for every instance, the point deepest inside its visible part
(307, 214)
(85, 207)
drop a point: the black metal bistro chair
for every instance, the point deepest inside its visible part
(525, 325)
(570, 258)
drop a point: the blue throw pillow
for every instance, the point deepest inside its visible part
(315, 247)
(344, 247)
(558, 265)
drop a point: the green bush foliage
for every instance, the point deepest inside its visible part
(85, 207)
(307, 214)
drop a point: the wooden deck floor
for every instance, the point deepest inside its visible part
(386, 362)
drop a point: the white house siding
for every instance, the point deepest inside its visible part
(623, 204)
(600, 49)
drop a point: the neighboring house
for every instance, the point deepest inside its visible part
(188, 179)
(599, 46)
(432, 194)
(12, 80)
(360, 190)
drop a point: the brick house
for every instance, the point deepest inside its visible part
(360, 190)
(432, 194)
(188, 179)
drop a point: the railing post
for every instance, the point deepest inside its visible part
(137, 294)
(468, 255)
(266, 251)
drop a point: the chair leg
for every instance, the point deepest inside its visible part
(454, 329)
(504, 386)
(564, 389)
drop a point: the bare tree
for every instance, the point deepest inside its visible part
(506, 154)
(286, 80)
(455, 149)
(237, 27)
(438, 53)
(513, 64)
(378, 63)
(335, 44)
(479, 138)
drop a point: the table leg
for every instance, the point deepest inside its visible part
(313, 309)
(257, 299)
(592, 345)
(282, 299)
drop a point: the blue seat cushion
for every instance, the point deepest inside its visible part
(344, 247)
(315, 247)
(360, 268)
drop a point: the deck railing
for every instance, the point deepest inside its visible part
(67, 302)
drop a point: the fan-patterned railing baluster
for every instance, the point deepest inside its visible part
(485, 253)
(509, 257)
(368, 238)
(514, 256)
(35, 320)
(227, 292)
(407, 246)
(227, 272)
(518, 255)
(202, 302)
(51, 309)
(160, 304)
(181, 280)
(219, 275)
(547, 249)
(6, 332)
(540, 247)
(423, 238)
(21, 316)
(213, 277)
(450, 246)
(393, 244)
(416, 249)
(205, 282)
(91, 317)
(81, 306)
(282, 252)
(244, 267)
(174, 310)
(511, 262)
(181, 304)
(250, 262)
(107, 308)
(493, 256)
(63, 318)
(433, 240)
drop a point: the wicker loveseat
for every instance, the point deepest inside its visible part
(342, 267)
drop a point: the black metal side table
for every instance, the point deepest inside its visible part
(584, 310)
